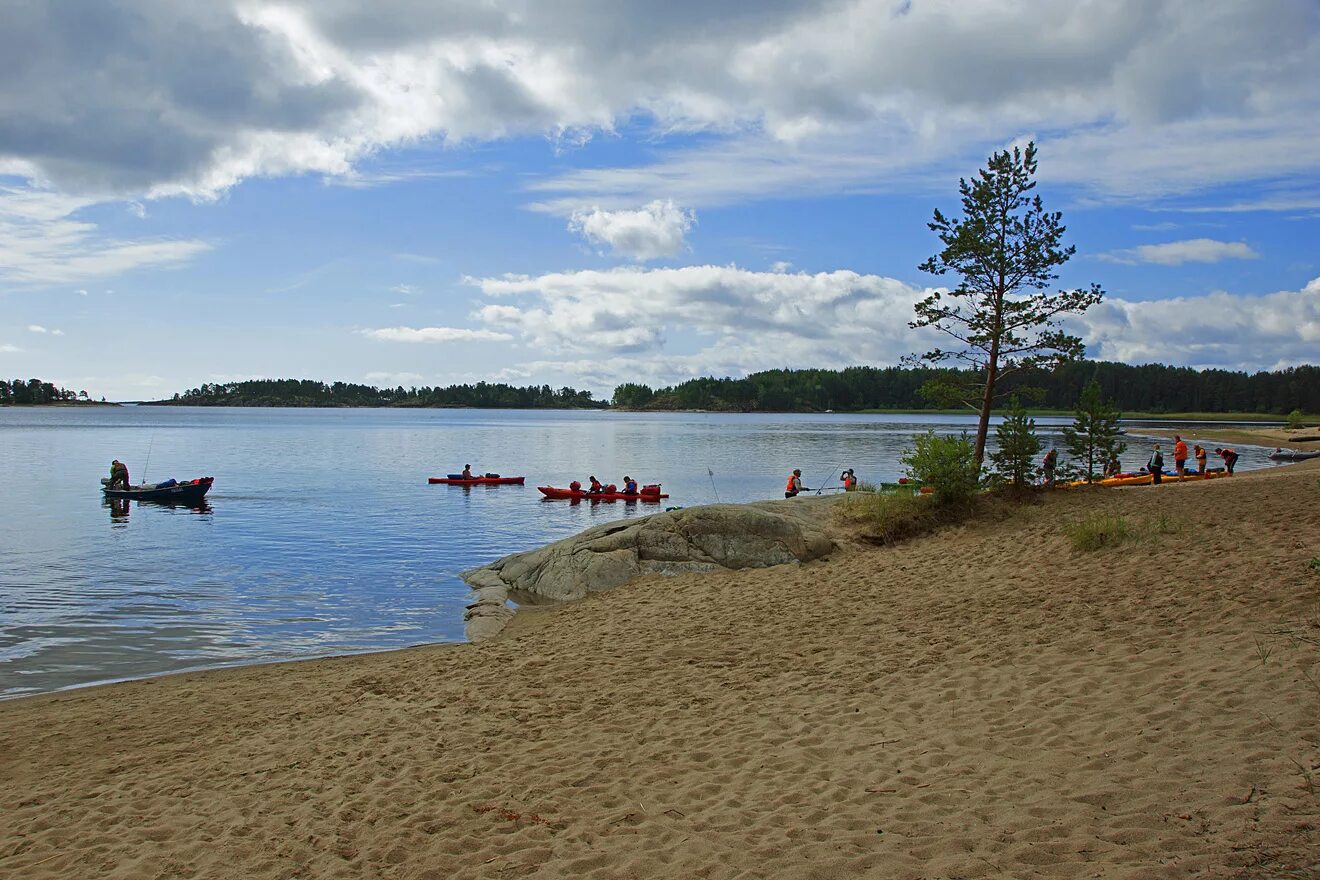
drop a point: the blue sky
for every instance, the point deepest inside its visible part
(412, 192)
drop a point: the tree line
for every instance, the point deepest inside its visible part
(313, 393)
(1146, 388)
(35, 392)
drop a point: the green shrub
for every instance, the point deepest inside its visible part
(1296, 420)
(886, 517)
(1017, 447)
(863, 486)
(1099, 530)
(947, 464)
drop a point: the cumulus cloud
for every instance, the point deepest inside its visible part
(1175, 253)
(1217, 329)
(657, 230)
(435, 334)
(193, 98)
(833, 316)
(37, 328)
(6, 348)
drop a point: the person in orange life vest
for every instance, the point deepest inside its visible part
(629, 485)
(794, 484)
(1198, 452)
(575, 486)
(467, 472)
(1230, 458)
(1179, 457)
(595, 487)
(849, 480)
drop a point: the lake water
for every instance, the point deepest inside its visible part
(321, 535)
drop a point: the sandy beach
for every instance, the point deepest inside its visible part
(983, 702)
(1303, 439)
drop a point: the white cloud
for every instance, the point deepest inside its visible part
(435, 334)
(1175, 253)
(41, 242)
(406, 289)
(6, 348)
(656, 230)
(391, 380)
(37, 328)
(1217, 329)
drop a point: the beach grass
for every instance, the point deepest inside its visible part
(1099, 530)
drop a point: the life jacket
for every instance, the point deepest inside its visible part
(1227, 452)
(849, 481)
(596, 486)
(790, 487)
(630, 487)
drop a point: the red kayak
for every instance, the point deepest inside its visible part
(478, 481)
(579, 495)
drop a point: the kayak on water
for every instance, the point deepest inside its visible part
(579, 494)
(1290, 455)
(453, 480)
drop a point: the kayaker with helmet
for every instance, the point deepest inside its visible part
(1179, 457)
(794, 484)
(595, 488)
(1230, 458)
(629, 486)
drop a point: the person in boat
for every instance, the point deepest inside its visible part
(849, 480)
(1113, 467)
(1155, 467)
(1179, 457)
(1229, 456)
(1198, 452)
(794, 485)
(595, 488)
(118, 475)
(629, 486)
(467, 472)
(1047, 467)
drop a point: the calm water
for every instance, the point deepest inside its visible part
(321, 535)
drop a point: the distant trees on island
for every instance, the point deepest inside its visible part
(1149, 388)
(35, 392)
(309, 392)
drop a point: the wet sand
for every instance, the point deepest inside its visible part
(1212, 436)
(983, 702)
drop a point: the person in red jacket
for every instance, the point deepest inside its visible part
(1229, 456)
(595, 487)
(1179, 457)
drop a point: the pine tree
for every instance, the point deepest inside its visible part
(1006, 250)
(1018, 445)
(1095, 435)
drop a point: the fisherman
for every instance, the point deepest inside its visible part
(467, 472)
(794, 484)
(1229, 456)
(1179, 457)
(1047, 466)
(629, 485)
(849, 480)
(118, 475)
(1198, 452)
(595, 487)
(1156, 465)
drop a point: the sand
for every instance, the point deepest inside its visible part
(984, 702)
(1212, 436)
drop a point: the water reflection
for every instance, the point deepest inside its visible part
(119, 507)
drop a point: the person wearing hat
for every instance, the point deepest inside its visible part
(794, 484)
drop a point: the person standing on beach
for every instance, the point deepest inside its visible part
(1229, 456)
(1113, 467)
(1047, 466)
(849, 480)
(794, 484)
(1179, 457)
(1156, 465)
(1198, 451)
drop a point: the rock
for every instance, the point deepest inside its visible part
(721, 536)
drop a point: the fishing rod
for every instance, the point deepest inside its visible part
(710, 473)
(833, 470)
(147, 463)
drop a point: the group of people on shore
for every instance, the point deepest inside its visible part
(1155, 464)
(794, 485)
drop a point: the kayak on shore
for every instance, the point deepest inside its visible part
(555, 493)
(458, 480)
(1292, 455)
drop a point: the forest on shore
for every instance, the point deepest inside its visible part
(35, 392)
(1148, 388)
(312, 393)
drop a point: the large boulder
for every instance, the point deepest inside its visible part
(721, 536)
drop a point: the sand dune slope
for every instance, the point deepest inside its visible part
(980, 703)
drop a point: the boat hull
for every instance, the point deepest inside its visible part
(191, 492)
(557, 494)
(477, 481)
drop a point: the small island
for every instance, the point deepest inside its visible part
(36, 392)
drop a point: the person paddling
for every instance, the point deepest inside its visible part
(467, 472)
(794, 484)
(629, 485)
(595, 488)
